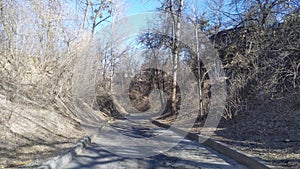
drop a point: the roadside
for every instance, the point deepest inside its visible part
(30, 134)
(270, 131)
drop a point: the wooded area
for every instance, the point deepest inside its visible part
(52, 54)
(43, 42)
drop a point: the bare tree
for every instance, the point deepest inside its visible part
(95, 13)
(254, 52)
(175, 9)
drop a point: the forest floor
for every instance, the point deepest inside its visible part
(269, 130)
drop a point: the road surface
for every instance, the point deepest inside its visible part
(139, 144)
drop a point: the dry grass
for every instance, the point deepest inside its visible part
(270, 130)
(30, 134)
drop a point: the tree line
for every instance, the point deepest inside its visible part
(50, 50)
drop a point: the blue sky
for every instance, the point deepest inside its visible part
(140, 6)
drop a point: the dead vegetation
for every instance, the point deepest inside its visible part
(275, 137)
(43, 108)
(48, 74)
(30, 134)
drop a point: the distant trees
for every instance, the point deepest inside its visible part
(187, 44)
(169, 37)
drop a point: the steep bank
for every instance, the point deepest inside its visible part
(30, 134)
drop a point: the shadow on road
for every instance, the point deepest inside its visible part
(109, 150)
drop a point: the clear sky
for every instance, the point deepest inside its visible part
(140, 6)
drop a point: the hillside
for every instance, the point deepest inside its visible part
(269, 130)
(30, 134)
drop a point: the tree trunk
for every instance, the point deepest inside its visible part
(199, 81)
(86, 13)
(175, 52)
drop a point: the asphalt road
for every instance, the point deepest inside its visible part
(139, 144)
